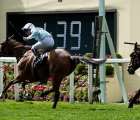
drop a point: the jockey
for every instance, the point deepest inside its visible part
(44, 38)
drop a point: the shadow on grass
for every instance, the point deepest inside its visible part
(92, 109)
(28, 102)
(101, 109)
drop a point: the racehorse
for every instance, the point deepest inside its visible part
(57, 64)
(132, 67)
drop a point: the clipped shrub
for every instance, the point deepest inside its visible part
(90, 55)
(109, 69)
(79, 69)
(117, 56)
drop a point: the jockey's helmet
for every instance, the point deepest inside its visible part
(28, 26)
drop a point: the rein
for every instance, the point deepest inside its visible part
(20, 46)
(137, 64)
(15, 48)
(21, 56)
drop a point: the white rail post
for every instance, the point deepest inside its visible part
(72, 88)
(116, 61)
(126, 60)
(90, 85)
(102, 53)
(16, 85)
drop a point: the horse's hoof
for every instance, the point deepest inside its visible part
(54, 107)
(2, 96)
(130, 106)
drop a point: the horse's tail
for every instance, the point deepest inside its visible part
(82, 59)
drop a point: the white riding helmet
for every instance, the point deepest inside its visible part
(28, 26)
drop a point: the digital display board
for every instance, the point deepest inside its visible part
(73, 31)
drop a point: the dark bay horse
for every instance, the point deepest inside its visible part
(58, 64)
(132, 67)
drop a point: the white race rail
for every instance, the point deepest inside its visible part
(9, 59)
(90, 77)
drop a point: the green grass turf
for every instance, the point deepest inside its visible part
(30, 110)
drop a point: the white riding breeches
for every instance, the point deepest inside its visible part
(46, 43)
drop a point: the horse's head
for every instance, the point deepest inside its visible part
(134, 59)
(5, 46)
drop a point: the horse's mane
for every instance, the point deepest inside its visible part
(15, 42)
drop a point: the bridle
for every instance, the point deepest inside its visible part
(135, 60)
(3, 45)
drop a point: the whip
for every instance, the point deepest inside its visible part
(131, 43)
(15, 29)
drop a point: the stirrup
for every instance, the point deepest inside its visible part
(36, 53)
(37, 62)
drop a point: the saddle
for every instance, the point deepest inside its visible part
(38, 61)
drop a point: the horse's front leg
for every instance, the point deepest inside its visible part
(2, 95)
(24, 89)
(22, 96)
(16, 80)
(29, 96)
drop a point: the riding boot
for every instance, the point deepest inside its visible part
(38, 59)
(132, 100)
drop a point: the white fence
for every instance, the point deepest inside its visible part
(90, 84)
(90, 77)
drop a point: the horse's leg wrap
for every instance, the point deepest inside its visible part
(2, 95)
(132, 100)
(22, 96)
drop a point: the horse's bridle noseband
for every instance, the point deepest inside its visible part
(135, 64)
